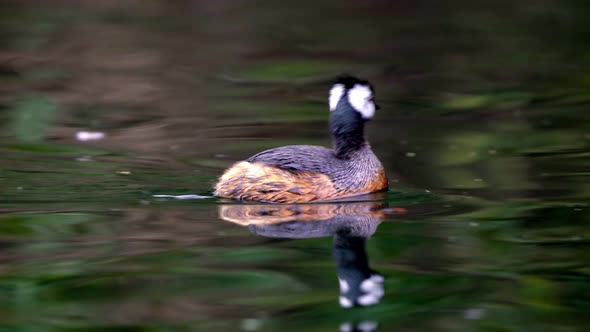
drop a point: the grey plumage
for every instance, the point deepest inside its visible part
(356, 172)
(298, 158)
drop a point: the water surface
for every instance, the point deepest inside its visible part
(484, 131)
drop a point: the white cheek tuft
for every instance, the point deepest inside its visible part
(372, 287)
(344, 288)
(335, 94)
(368, 326)
(377, 278)
(368, 299)
(344, 302)
(361, 99)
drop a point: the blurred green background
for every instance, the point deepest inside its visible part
(484, 129)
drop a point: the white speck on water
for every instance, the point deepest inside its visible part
(182, 196)
(395, 180)
(578, 209)
(144, 202)
(19, 188)
(85, 159)
(478, 180)
(473, 224)
(447, 205)
(426, 190)
(90, 135)
(410, 154)
(251, 324)
(473, 313)
(220, 155)
(576, 238)
(492, 151)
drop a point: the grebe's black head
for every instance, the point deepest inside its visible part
(351, 105)
(356, 92)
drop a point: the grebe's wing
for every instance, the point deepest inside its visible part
(297, 158)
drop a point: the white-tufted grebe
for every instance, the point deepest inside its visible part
(306, 173)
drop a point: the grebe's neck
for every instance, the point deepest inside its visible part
(348, 130)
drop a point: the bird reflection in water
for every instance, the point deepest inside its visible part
(350, 223)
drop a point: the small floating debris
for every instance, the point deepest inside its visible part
(124, 172)
(410, 154)
(192, 196)
(85, 159)
(251, 324)
(473, 313)
(90, 135)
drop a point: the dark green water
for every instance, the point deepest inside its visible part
(484, 129)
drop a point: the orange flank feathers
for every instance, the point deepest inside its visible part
(259, 182)
(380, 183)
(263, 183)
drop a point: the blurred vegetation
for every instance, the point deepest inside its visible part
(484, 131)
(32, 118)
